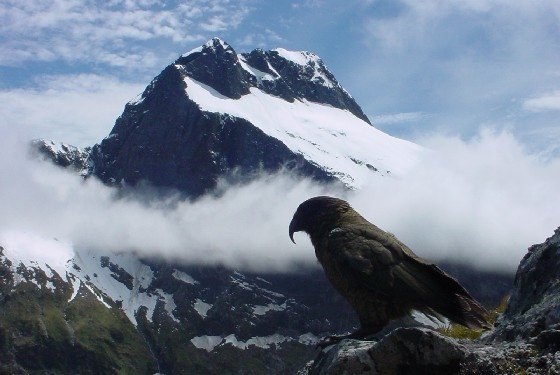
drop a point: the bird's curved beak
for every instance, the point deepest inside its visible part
(293, 229)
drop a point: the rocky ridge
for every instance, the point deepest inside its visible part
(64, 155)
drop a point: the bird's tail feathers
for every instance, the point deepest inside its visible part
(470, 313)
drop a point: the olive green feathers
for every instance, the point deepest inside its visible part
(376, 273)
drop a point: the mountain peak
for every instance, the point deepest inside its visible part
(214, 111)
(211, 45)
(298, 57)
(217, 43)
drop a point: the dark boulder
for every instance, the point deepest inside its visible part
(534, 306)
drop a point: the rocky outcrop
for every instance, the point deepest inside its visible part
(63, 155)
(525, 341)
(285, 74)
(403, 351)
(534, 306)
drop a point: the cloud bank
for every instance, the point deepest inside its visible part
(482, 202)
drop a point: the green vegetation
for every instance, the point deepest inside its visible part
(41, 332)
(461, 332)
(109, 337)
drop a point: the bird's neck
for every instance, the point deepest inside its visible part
(325, 225)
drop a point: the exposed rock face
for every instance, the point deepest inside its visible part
(63, 155)
(526, 341)
(534, 305)
(285, 74)
(418, 351)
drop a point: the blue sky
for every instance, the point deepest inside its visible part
(417, 67)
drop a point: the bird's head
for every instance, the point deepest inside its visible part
(317, 213)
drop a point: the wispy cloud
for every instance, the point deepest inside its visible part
(545, 102)
(262, 39)
(114, 33)
(397, 118)
(465, 62)
(415, 22)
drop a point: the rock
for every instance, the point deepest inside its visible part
(403, 351)
(534, 305)
(420, 351)
(61, 154)
(526, 341)
(509, 358)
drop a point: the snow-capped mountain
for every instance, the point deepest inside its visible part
(164, 318)
(214, 111)
(210, 114)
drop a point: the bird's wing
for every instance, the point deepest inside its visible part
(365, 255)
(377, 260)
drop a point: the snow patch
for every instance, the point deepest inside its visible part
(202, 307)
(298, 57)
(137, 100)
(258, 74)
(76, 283)
(89, 264)
(334, 139)
(181, 276)
(308, 59)
(308, 339)
(260, 342)
(97, 295)
(262, 310)
(194, 50)
(207, 343)
(241, 283)
(170, 305)
(34, 251)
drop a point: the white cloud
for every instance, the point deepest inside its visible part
(261, 39)
(397, 118)
(549, 101)
(247, 227)
(483, 201)
(76, 109)
(419, 24)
